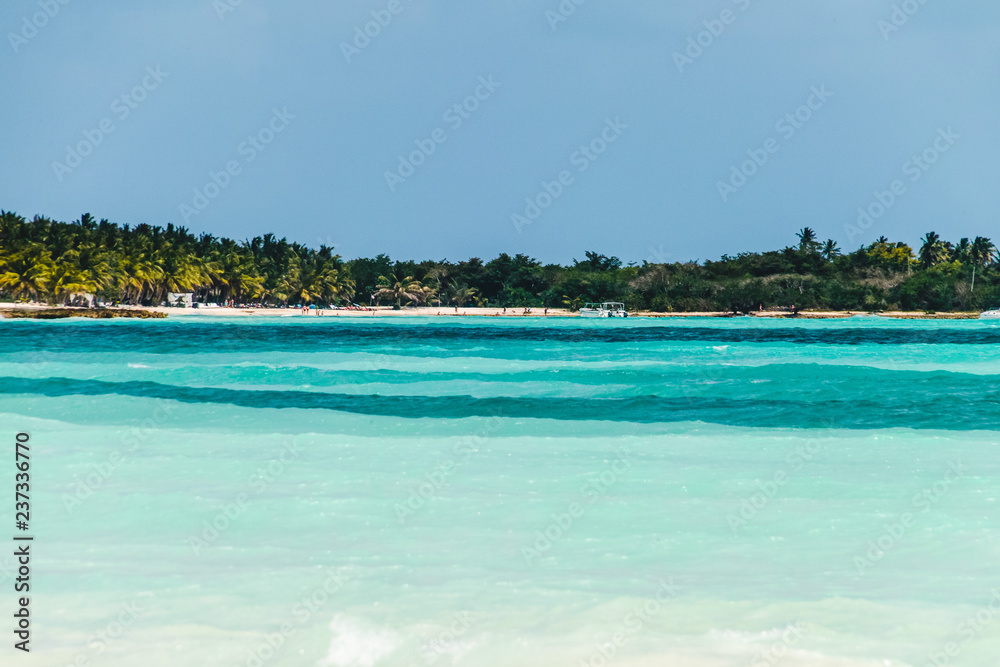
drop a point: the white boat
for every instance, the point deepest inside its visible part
(993, 314)
(606, 309)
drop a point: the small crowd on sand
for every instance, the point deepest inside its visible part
(314, 311)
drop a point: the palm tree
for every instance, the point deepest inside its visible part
(66, 279)
(808, 240)
(926, 253)
(934, 250)
(340, 284)
(290, 285)
(136, 276)
(394, 288)
(231, 269)
(461, 294)
(92, 263)
(26, 272)
(83, 270)
(48, 259)
(12, 229)
(961, 253)
(981, 253)
(573, 303)
(830, 250)
(304, 281)
(179, 271)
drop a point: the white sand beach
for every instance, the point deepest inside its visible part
(434, 311)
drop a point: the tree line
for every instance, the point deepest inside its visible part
(54, 262)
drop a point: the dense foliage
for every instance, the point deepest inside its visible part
(54, 262)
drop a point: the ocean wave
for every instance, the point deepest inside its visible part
(214, 337)
(877, 405)
(355, 643)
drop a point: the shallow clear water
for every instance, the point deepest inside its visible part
(518, 492)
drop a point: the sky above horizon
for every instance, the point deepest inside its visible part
(434, 129)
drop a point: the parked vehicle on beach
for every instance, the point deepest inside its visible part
(606, 309)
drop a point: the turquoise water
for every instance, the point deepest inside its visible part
(714, 493)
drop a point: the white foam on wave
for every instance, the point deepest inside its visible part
(744, 637)
(131, 365)
(355, 643)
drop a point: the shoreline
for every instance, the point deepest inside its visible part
(37, 311)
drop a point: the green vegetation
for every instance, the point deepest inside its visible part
(54, 262)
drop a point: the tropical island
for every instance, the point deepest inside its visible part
(58, 264)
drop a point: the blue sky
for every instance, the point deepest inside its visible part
(620, 142)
